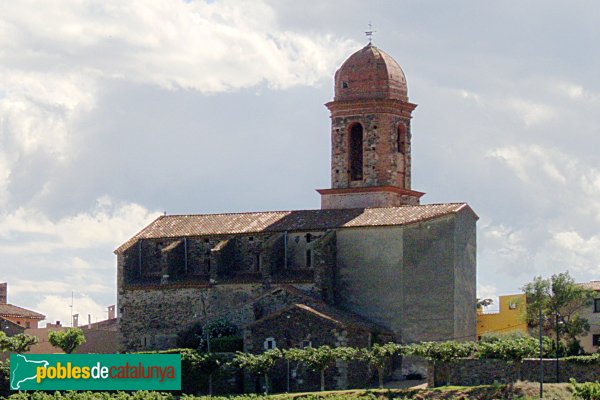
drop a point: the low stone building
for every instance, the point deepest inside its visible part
(299, 326)
(372, 253)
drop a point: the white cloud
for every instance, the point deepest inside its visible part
(58, 308)
(487, 291)
(531, 113)
(106, 225)
(56, 62)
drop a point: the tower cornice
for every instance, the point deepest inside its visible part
(363, 106)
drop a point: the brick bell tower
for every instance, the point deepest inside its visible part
(370, 134)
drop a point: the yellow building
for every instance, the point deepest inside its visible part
(509, 318)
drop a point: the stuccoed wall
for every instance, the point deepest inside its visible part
(415, 280)
(370, 275)
(428, 284)
(465, 276)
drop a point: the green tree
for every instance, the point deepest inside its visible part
(67, 340)
(19, 343)
(379, 355)
(483, 303)
(320, 358)
(559, 296)
(259, 364)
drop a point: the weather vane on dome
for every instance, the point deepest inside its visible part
(370, 32)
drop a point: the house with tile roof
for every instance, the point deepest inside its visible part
(372, 253)
(15, 314)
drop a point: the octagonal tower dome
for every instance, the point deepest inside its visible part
(370, 73)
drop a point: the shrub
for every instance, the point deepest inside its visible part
(442, 351)
(586, 390)
(191, 336)
(510, 349)
(226, 344)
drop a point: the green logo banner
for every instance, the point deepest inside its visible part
(95, 371)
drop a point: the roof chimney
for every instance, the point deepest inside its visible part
(111, 312)
(89, 321)
(75, 320)
(3, 292)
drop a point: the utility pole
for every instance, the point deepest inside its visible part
(541, 358)
(210, 383)
(557, 344)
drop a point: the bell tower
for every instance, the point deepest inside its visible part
(370, 134)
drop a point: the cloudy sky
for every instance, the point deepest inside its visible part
(112, 112)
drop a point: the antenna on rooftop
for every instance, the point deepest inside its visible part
(71, 307)
(370, 32)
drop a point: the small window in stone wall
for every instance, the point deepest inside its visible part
(344, 85)
(308, 259)
(401, 138)
(207, 263)
(596, 305)
(306, 343)
(308, 237)
(596, 340)
(356, 152)
(270, 343)
(257, 263)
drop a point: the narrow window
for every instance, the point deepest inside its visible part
(401, 139)
(257, 264)
(596, 305)
(207, 263)
(344, 85)
(270, 343)
(356, 152)
(595, 340)
(308, 258)
(308, 237)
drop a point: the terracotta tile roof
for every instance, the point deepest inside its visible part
(338, 317)
(594, 285)
(8, 310)
(172, 226)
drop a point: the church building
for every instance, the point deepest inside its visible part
(372, 264)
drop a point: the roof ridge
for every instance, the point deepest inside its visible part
(309, 209)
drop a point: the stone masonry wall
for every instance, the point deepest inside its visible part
(382, 163)
(151, 318)
(298, 328)
(472, 372)
(235, 258)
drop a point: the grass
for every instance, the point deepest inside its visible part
(517, 391)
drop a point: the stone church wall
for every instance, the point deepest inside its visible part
(151, 318)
